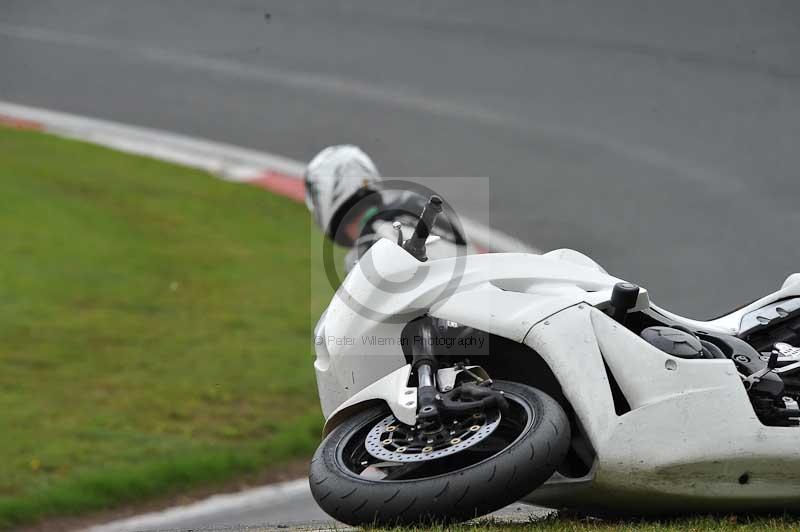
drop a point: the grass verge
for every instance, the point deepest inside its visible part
(154, 336)
(154, 328)
(574, 524)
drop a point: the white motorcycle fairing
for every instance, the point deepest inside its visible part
(690, 440)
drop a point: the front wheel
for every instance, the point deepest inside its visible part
(372, 469)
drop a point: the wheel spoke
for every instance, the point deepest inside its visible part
(388, 470)
(396, 473)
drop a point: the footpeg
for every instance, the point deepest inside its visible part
(787, 353)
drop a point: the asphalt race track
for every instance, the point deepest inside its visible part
(661, 138)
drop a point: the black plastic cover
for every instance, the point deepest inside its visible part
(674, 342)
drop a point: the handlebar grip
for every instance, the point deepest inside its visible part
(416, 244)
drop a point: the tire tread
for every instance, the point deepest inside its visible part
(503, 479)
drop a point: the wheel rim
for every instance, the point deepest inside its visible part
(392, 441)
(355, 459)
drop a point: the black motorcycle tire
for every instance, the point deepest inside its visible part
(464, 494)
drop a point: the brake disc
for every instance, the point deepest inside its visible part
(392, 441)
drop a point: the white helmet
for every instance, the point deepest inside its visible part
(336, 180)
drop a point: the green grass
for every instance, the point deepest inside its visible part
(155, 335)
(572, 524)
(154, 328)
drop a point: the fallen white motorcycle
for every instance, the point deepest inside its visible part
(455, 386)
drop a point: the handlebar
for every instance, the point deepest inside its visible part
(416, 244)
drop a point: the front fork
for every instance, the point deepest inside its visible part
(433, 405)
(423, 362)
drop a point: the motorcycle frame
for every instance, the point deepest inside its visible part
(690, 441)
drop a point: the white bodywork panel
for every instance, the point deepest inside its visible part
(358, 339)
(691, 433)
(393, 390)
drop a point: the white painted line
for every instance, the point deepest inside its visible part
(392, 95)
(231, 163)
(207, 508)
(494, 240)
(224, 160)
